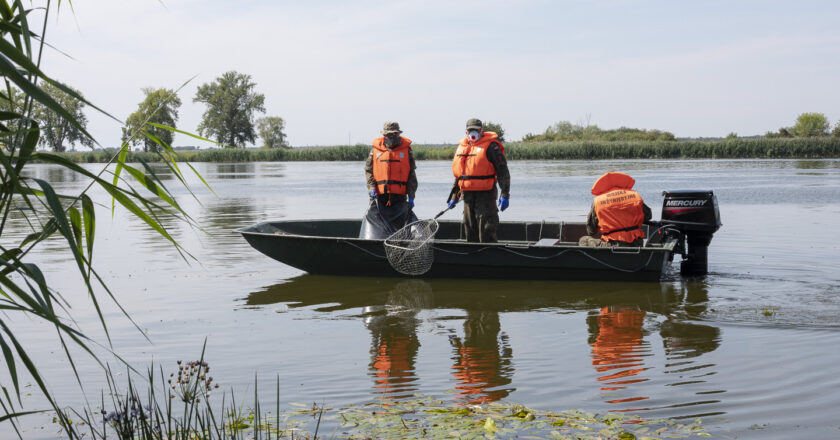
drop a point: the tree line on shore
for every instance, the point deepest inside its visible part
(232, 104)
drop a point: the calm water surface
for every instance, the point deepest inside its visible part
(753, 347)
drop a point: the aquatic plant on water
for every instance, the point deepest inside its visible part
(182, 407)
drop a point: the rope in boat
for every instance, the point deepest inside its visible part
(597, 260)
(534, 257)
(383, 257)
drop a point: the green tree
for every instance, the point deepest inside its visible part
(811, 125)
(566, 131)
(57, 132)
(12, 101)
(732, 136)
(271, 131)
(784, 132)
(231, 105)
(836, 131)
(160, 107)
(563, 130)
(495, 128)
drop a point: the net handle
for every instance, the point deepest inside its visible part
(443, 212)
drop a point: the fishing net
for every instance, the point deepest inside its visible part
(409, 250)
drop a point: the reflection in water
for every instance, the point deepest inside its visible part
(226, 214)
(811, 164)
(482, 359)
(622, 318)
(394, 342)
(238, 170)
(62, 175)
(618, 348)
(54, 174)
(617, 336)
(162, 171)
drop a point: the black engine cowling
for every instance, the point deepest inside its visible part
(695, 214)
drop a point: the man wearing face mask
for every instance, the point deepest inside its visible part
(391, 183)
(480, 163)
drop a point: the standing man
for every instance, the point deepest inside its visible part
(391, 183)
(478, 164)
(617, 213)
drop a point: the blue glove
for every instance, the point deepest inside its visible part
(372, 193)
(411, 203)
(451, 204)
(503, 203)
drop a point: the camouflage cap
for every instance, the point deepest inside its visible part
(391, 127)
(474, 123)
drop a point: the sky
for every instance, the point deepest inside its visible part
(335, 71)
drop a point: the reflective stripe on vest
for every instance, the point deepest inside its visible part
(391, 168)
(471, 166)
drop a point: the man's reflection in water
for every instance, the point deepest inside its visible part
(618, 348)
(482, 359)
(622, 319)
(394, 342)
(617, 336)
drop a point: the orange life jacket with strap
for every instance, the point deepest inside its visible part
(618, 208)
(470, 165)
(391, 168)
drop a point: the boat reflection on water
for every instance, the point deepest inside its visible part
(620, 320)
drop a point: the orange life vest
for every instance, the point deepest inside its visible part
(470, 165)
(391, 168)
(618, 208)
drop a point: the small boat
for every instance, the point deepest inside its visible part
(525, 250)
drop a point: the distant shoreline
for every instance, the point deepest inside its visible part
(786, 148)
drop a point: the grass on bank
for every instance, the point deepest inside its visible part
(790, 148)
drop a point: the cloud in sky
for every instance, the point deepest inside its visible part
(336, 70)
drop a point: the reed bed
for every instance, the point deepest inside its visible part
(791, 148)
(727, 149)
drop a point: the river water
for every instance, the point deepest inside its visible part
(753, 347)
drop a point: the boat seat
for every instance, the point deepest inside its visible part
(554, 242)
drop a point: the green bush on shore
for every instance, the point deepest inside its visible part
(761, 148)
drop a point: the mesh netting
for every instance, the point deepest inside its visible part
(409, 250)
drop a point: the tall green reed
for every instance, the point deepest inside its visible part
(763, 148)
(25, 290)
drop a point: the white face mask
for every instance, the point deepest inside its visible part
(474, 135)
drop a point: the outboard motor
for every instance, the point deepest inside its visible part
(695, 214)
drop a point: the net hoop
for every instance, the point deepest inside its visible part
(409, 250)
